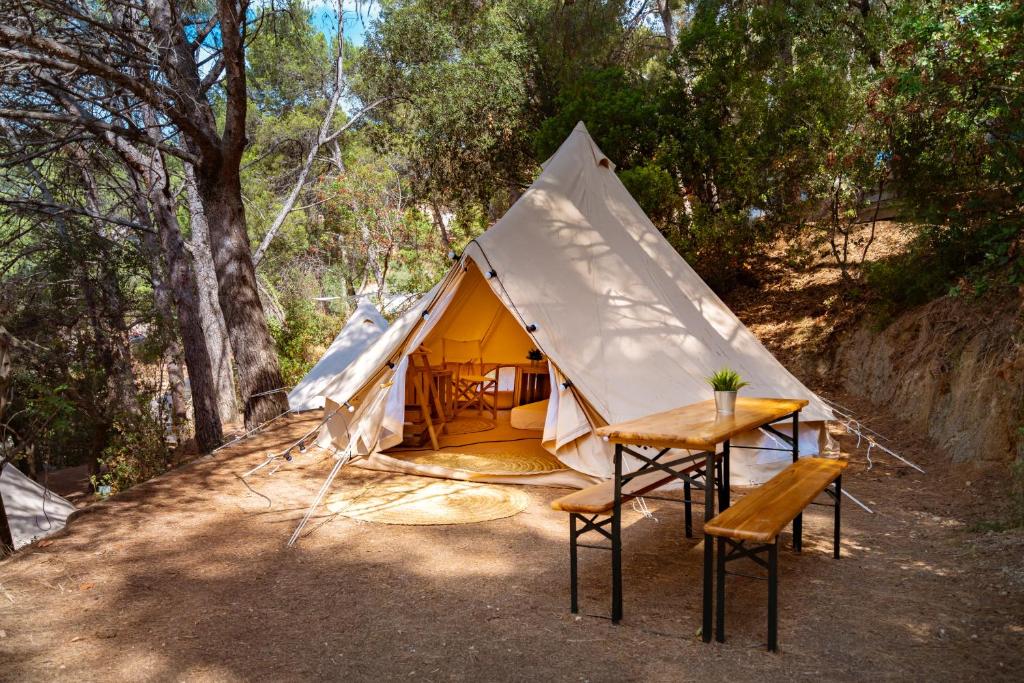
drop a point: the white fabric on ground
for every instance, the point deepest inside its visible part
(33, 511)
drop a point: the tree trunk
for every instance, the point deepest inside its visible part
(152, 176)
(665, 12)
(209, 305)
(442, 229)
(259, 375)
(197, 358)
(163, 301)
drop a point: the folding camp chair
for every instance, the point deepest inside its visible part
(471, 384)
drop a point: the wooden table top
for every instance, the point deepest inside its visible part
(698, 426)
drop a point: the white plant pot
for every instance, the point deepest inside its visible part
(725, 402)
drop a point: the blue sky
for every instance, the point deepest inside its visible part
(357, 20)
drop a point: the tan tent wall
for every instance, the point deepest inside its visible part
(477, 315)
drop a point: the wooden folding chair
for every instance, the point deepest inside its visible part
(472, 386)
(426, 394)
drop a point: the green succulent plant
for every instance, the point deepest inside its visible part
(727, 379)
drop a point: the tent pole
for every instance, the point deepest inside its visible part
(319, 497)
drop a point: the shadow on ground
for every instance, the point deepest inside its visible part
(188, 577)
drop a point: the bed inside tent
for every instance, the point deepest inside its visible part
(487, 431)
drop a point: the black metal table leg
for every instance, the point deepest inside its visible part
(773, 595)
(798, 521)
(724, 503)
(709, 512)
(687, 508)
(573, 564)
(720, 592)
(617, 539)
(835, 522)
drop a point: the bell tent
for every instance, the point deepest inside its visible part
(362, 328)
(576, 271)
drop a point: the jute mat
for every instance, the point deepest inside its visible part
(526, 456)
(469, 425)
(427, 501)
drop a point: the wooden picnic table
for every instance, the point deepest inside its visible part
(695, 427)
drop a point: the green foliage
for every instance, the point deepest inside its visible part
(136, 451)
(952, 101)
(302, 337)
(727, 379)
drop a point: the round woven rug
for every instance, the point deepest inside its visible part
(499, 458)
(425, 501)
(469, 425)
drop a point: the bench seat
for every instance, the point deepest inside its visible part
(600, 498)
(759, 518)
(762, 514)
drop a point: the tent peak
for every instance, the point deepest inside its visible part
(580, 138)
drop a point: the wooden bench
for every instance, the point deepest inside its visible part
(585, 506)
(759, 518)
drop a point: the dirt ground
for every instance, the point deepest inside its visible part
(187, 577)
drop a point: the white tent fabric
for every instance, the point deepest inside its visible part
(33, 511)
(628, 327)
(363, 327)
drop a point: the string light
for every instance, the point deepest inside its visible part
(490, 274)
(531, 328)
(351, 408)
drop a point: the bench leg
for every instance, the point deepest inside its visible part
(720, 592)
(688, 508)
(835, 522)
(798, 528)
(574, 605)
(773, 595)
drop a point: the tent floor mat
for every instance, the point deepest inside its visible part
(502, 458)
(427, 501)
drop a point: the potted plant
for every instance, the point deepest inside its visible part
(726, 382)
(534, 356)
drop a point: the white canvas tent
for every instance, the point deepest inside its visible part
(577, 270)
(363, 327)
(32, 511)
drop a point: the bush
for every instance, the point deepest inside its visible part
(302, 337)
(137, 451)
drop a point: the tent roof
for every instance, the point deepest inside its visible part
(617, 309)
(363, 327)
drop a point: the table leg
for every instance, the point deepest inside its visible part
(723, 503)
(709, 512)
(720, 595)
(574, 605)
(617, 539)
(773, 595)
(798, 521)
(835, 522)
